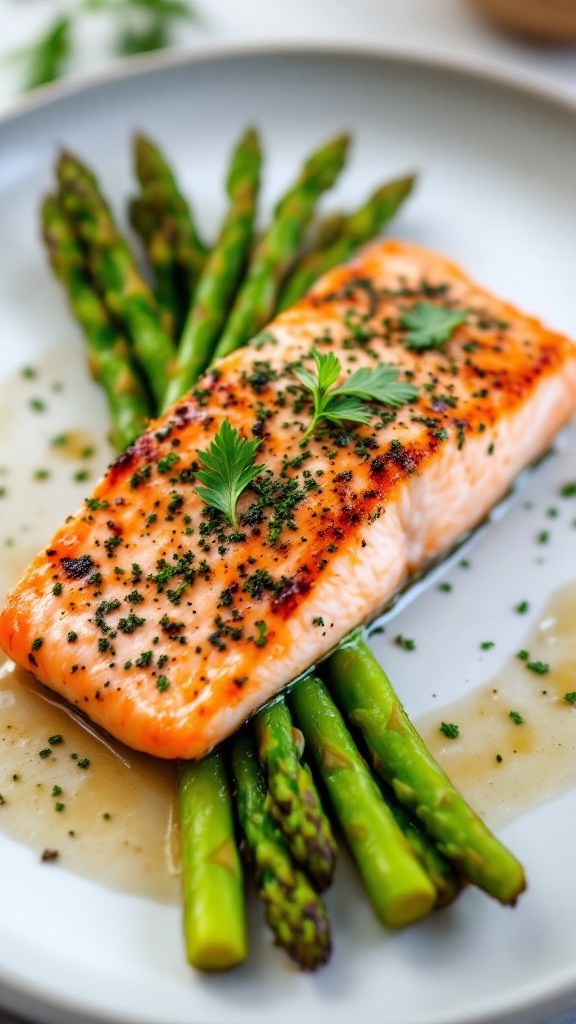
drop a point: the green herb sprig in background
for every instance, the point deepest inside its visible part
(138, 27)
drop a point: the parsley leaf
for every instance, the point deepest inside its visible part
(228, 469)
(429, 326)
(348, 400)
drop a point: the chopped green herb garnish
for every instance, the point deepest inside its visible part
(570, 698)
(405, 642)
(486, 645)
(516, 717)
(55, 740)
(56, 790)
(84, 762)
(450, 730)
(523, 655)
(522, 608)
(539, 667)
(261, 640)
(162, 683)
(165, 464)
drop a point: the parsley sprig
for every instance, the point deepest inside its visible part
(430, 326)
(229, 469)
(138, 26)
(348, 400)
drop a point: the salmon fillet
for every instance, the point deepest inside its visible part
(167, 628)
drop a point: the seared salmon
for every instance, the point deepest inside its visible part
(167, 627)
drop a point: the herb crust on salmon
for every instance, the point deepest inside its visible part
(167, 625)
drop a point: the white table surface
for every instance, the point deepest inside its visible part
(445, 27)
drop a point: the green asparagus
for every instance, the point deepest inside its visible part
(222, 271)
(295, 802)
(398, 886)
(158, 243)
(112, 263)
(109, 352)
(357, 228)
(447, 881)
(294, 911)
(143, 219)
(214, 918)
(278, 247)
(399, 755)
(163, 197)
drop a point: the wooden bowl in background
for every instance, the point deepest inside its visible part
(543, 20)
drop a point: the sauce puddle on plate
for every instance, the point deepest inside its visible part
(107, 811)
(516, 746)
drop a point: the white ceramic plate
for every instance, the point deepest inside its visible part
(497, 192)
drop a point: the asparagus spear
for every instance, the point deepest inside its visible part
(278, 246)
(222, 271)
(357, 228)
(115, 272)
(165, 200)
(398, 886)
(143, 219)
(214, 919)
(295, 802)
(157, 238)
(447, 881)
(294, 911)
(399, 755)
(109, 352)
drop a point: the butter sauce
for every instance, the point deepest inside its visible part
(501, 767)
(111, 819)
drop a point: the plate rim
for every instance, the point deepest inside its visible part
(560, 992)
(486, 70)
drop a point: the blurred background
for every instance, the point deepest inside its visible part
(45, 39)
